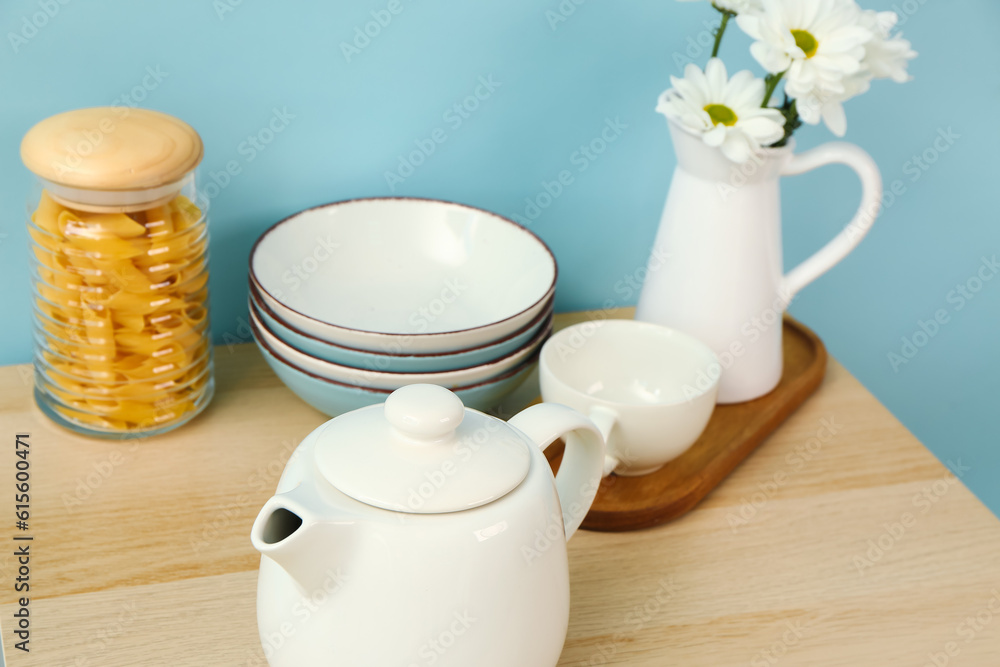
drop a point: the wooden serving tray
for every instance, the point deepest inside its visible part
(735, 430)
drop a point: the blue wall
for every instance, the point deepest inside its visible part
(228, 67)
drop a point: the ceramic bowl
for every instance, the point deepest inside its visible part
(362, 377)
(399, 275)
(396, 363)
(335, 398)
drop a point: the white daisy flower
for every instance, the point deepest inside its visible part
(828, 107)
(735, 6)
(725, 111)
(816, 43)
(886, 57)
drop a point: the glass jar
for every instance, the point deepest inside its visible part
(119, 267)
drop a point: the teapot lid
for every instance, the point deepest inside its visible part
(422, 452)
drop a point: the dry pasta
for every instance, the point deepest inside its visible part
(122, 313)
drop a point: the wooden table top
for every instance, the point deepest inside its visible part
(841, 541)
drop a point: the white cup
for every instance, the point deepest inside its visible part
(650, 389)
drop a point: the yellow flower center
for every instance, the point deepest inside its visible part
(805, 41)
(720, 113)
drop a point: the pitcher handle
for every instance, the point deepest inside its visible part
(582, 465)
(871, 201)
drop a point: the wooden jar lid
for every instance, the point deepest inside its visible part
(111, 148)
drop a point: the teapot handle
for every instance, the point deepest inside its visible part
(582, 466)
(825, 258)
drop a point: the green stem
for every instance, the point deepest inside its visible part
(792, 121)
(726, 15)
(771, 82)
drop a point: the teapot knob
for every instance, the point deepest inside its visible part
(424, 411)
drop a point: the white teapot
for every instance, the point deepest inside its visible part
(419, 532)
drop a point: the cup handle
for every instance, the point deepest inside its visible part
(582, 465)
(605, 420)
(842, 244)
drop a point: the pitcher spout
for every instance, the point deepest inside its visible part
(291, 535)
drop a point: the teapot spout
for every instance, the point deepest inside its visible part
(288, 533)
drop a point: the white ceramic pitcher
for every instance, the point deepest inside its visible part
(716, 269)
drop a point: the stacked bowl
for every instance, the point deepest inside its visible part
(352, 300)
